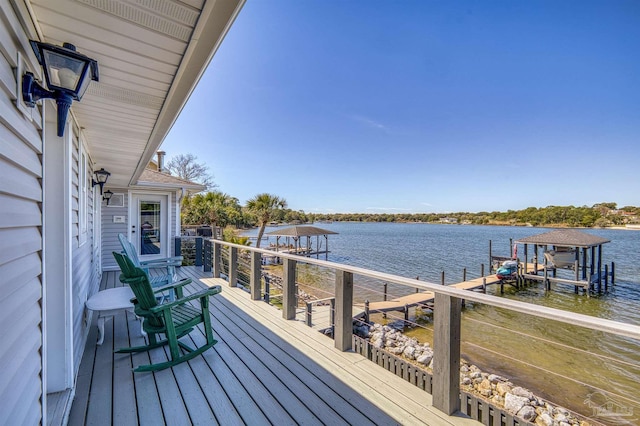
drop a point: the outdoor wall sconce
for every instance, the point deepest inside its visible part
(67, 74)
(107, 195)
(101, 178)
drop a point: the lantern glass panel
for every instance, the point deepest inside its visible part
(64, 72)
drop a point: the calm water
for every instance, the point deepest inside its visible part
(574, 367)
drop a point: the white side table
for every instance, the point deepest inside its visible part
(108, 303)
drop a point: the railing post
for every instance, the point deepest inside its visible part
(217, 249)
(332, 313)
(256, 275)
(177, 246)
(385, 292)
(207, 255)
(198, 259)
(442, 278)
(482, 269)
(309, 314)
(343, 332)
(233, 266)
(446, 361)
(288, 289)
(267, 290)
(464, 274)
(366, 311)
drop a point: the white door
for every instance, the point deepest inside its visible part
(150, 225)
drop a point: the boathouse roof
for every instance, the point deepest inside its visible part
(565, 238)
(300, 231)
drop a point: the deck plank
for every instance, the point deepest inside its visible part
(256, 342)
(396, 397)
(264, 370)
(124, 395)
(324, 398)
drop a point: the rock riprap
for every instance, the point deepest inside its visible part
(496, 389)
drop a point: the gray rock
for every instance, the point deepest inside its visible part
(494, 378)
(514, 403)
(527, 413)
(519, 391)
(409, 352)
(466, 381)
(425, 359)
(544, 419)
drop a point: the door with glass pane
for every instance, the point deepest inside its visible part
(149, 230)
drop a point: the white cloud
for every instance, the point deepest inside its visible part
(369, 122)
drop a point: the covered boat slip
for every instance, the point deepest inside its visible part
(572, 250)
(264, 370)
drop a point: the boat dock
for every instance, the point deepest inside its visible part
(426, 298)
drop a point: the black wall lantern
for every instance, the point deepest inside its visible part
(101, 178)
(67, 73)
(107, 195)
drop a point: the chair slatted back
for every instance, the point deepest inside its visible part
(129, 249)
(139, 282)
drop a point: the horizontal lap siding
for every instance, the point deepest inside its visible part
(84, 280)
(110, 230)
(20, 246)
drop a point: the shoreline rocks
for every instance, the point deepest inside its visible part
(496, 389)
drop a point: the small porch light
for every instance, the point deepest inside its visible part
(67, 73)
(107, 195)
(101, 178)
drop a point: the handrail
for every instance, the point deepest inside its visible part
(572, 318)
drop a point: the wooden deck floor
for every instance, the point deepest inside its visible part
(264, 370)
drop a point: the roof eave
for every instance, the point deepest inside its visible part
(212, 27)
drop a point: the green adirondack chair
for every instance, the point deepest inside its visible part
(168, 262)
(174, 319)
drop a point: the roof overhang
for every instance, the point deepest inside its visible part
(150, 55)
(565, 238)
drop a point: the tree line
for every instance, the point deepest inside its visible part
(598, 215)
(220, 209)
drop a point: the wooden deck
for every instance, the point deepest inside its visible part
(264, 370)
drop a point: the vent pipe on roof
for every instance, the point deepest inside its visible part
(161, 161)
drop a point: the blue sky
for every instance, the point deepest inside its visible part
(422, 106)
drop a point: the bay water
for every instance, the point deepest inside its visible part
(580, 369)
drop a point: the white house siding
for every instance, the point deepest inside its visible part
(20, 240)
(85, 281)
(110, 230)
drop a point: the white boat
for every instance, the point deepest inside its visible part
(561, 259)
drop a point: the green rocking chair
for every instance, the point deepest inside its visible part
(169, 263)
(174, 319)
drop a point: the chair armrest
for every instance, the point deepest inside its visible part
(169, 261)
(172, 286)
(197, 295)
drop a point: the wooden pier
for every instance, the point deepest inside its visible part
(426, 298)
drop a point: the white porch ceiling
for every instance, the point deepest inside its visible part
(150, 54)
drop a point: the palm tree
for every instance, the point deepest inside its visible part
(264, 206)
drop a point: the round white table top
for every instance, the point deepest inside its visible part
(113, 298)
